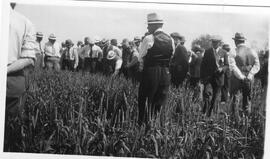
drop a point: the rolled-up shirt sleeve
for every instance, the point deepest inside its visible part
(147, 43)
(29, 44)
(118, 64)
(256, 67)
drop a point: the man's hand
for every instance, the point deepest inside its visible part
(250, 77)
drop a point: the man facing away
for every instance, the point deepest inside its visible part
(244, 64)
(21, 54)
(156, 52)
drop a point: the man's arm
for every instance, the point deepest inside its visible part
(76, 57)
(20, 64)
(256, 67)
(147, 43)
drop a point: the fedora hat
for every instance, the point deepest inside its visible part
(68, 42)
(39, 34)
(239, 36)
(52, 37)
(154, 18)
(111, 55)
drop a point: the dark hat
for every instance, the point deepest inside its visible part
(239, 36)
(68, 42)
(114, 42)
(125, 40)
(79, 43)
(226, 47)
(39, 34)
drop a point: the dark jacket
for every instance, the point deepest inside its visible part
(210, 66)
(180, 58)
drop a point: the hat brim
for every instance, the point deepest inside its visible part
(111, 57)
(52, 38)
(241, 39)
(155, 22)
(39, 36)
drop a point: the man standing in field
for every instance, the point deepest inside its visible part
(21, 54)
(244, 65)
(214, 63)
(52, 54)
(179, 63)
(39, 51)
(70, 56)
(156, 52)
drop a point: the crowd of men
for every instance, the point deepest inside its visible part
(155, 61)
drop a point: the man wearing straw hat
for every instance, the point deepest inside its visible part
(244, 66)
(137, 42)
(155, 54)
(39, 51)
(115, 63)
(214, 63)
(52, 54)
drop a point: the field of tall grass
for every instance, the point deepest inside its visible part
(71, 113)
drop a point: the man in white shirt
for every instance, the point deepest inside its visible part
(92, 54)
(154, 57)
(244, 65)
(39, 50)
(21, 54)
(115, 63)
(52, 54)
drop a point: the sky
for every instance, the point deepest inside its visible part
(76, 22)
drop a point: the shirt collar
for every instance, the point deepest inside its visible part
(239, 45)
(159, 29)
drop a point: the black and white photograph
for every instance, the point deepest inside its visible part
(135, 80)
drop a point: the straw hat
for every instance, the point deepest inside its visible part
(52, 37)
(154, 18)
(39, 34)
(216, 38)
(111, 55)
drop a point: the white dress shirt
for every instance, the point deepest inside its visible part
(22, 42)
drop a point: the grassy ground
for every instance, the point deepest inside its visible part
(69, 113)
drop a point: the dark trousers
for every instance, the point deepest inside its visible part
(15, 99)
(178, 75)
(210, 93)
(154, 88)
(225, 87)
(243, 86)
(68, 64)
(86, 64)
(94, 64)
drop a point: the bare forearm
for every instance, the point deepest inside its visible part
(19, 65)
